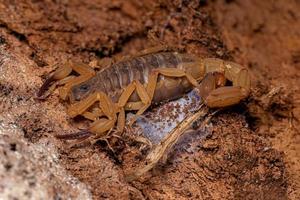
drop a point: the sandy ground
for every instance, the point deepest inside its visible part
(252, 149)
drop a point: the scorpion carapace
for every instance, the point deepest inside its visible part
(136, 83)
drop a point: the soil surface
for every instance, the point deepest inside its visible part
(252, 150)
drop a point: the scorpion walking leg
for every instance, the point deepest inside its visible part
(94, 114)
(155, 49)
(107, 107)
(178, 73)
(121, 120)
(142, 93)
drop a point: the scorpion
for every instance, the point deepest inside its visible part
(148, 78)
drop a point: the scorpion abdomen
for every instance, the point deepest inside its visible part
(112, 80)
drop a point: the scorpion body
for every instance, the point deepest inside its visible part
(112, 80)
(151, 78)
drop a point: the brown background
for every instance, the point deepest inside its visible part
(253, 152)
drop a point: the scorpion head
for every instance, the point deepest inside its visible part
(80, 91)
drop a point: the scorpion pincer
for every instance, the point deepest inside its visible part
(136, 83)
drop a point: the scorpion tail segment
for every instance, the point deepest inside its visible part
(216, 95)
(238, 75)
(225, 96)
(81, 135)
(210, 82)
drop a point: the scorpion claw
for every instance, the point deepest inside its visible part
(40, 94)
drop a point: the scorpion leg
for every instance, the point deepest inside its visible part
(62, 73)
(106, 105)
(155, 49)
(121, 120)
(133, 105)
(228, 95)
(102, 63)
(99, 126)
(94, 114)
(142, 93)
(171, 72)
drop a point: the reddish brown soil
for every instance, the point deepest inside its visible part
(253, 151)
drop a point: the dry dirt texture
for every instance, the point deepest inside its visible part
(253, 151)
